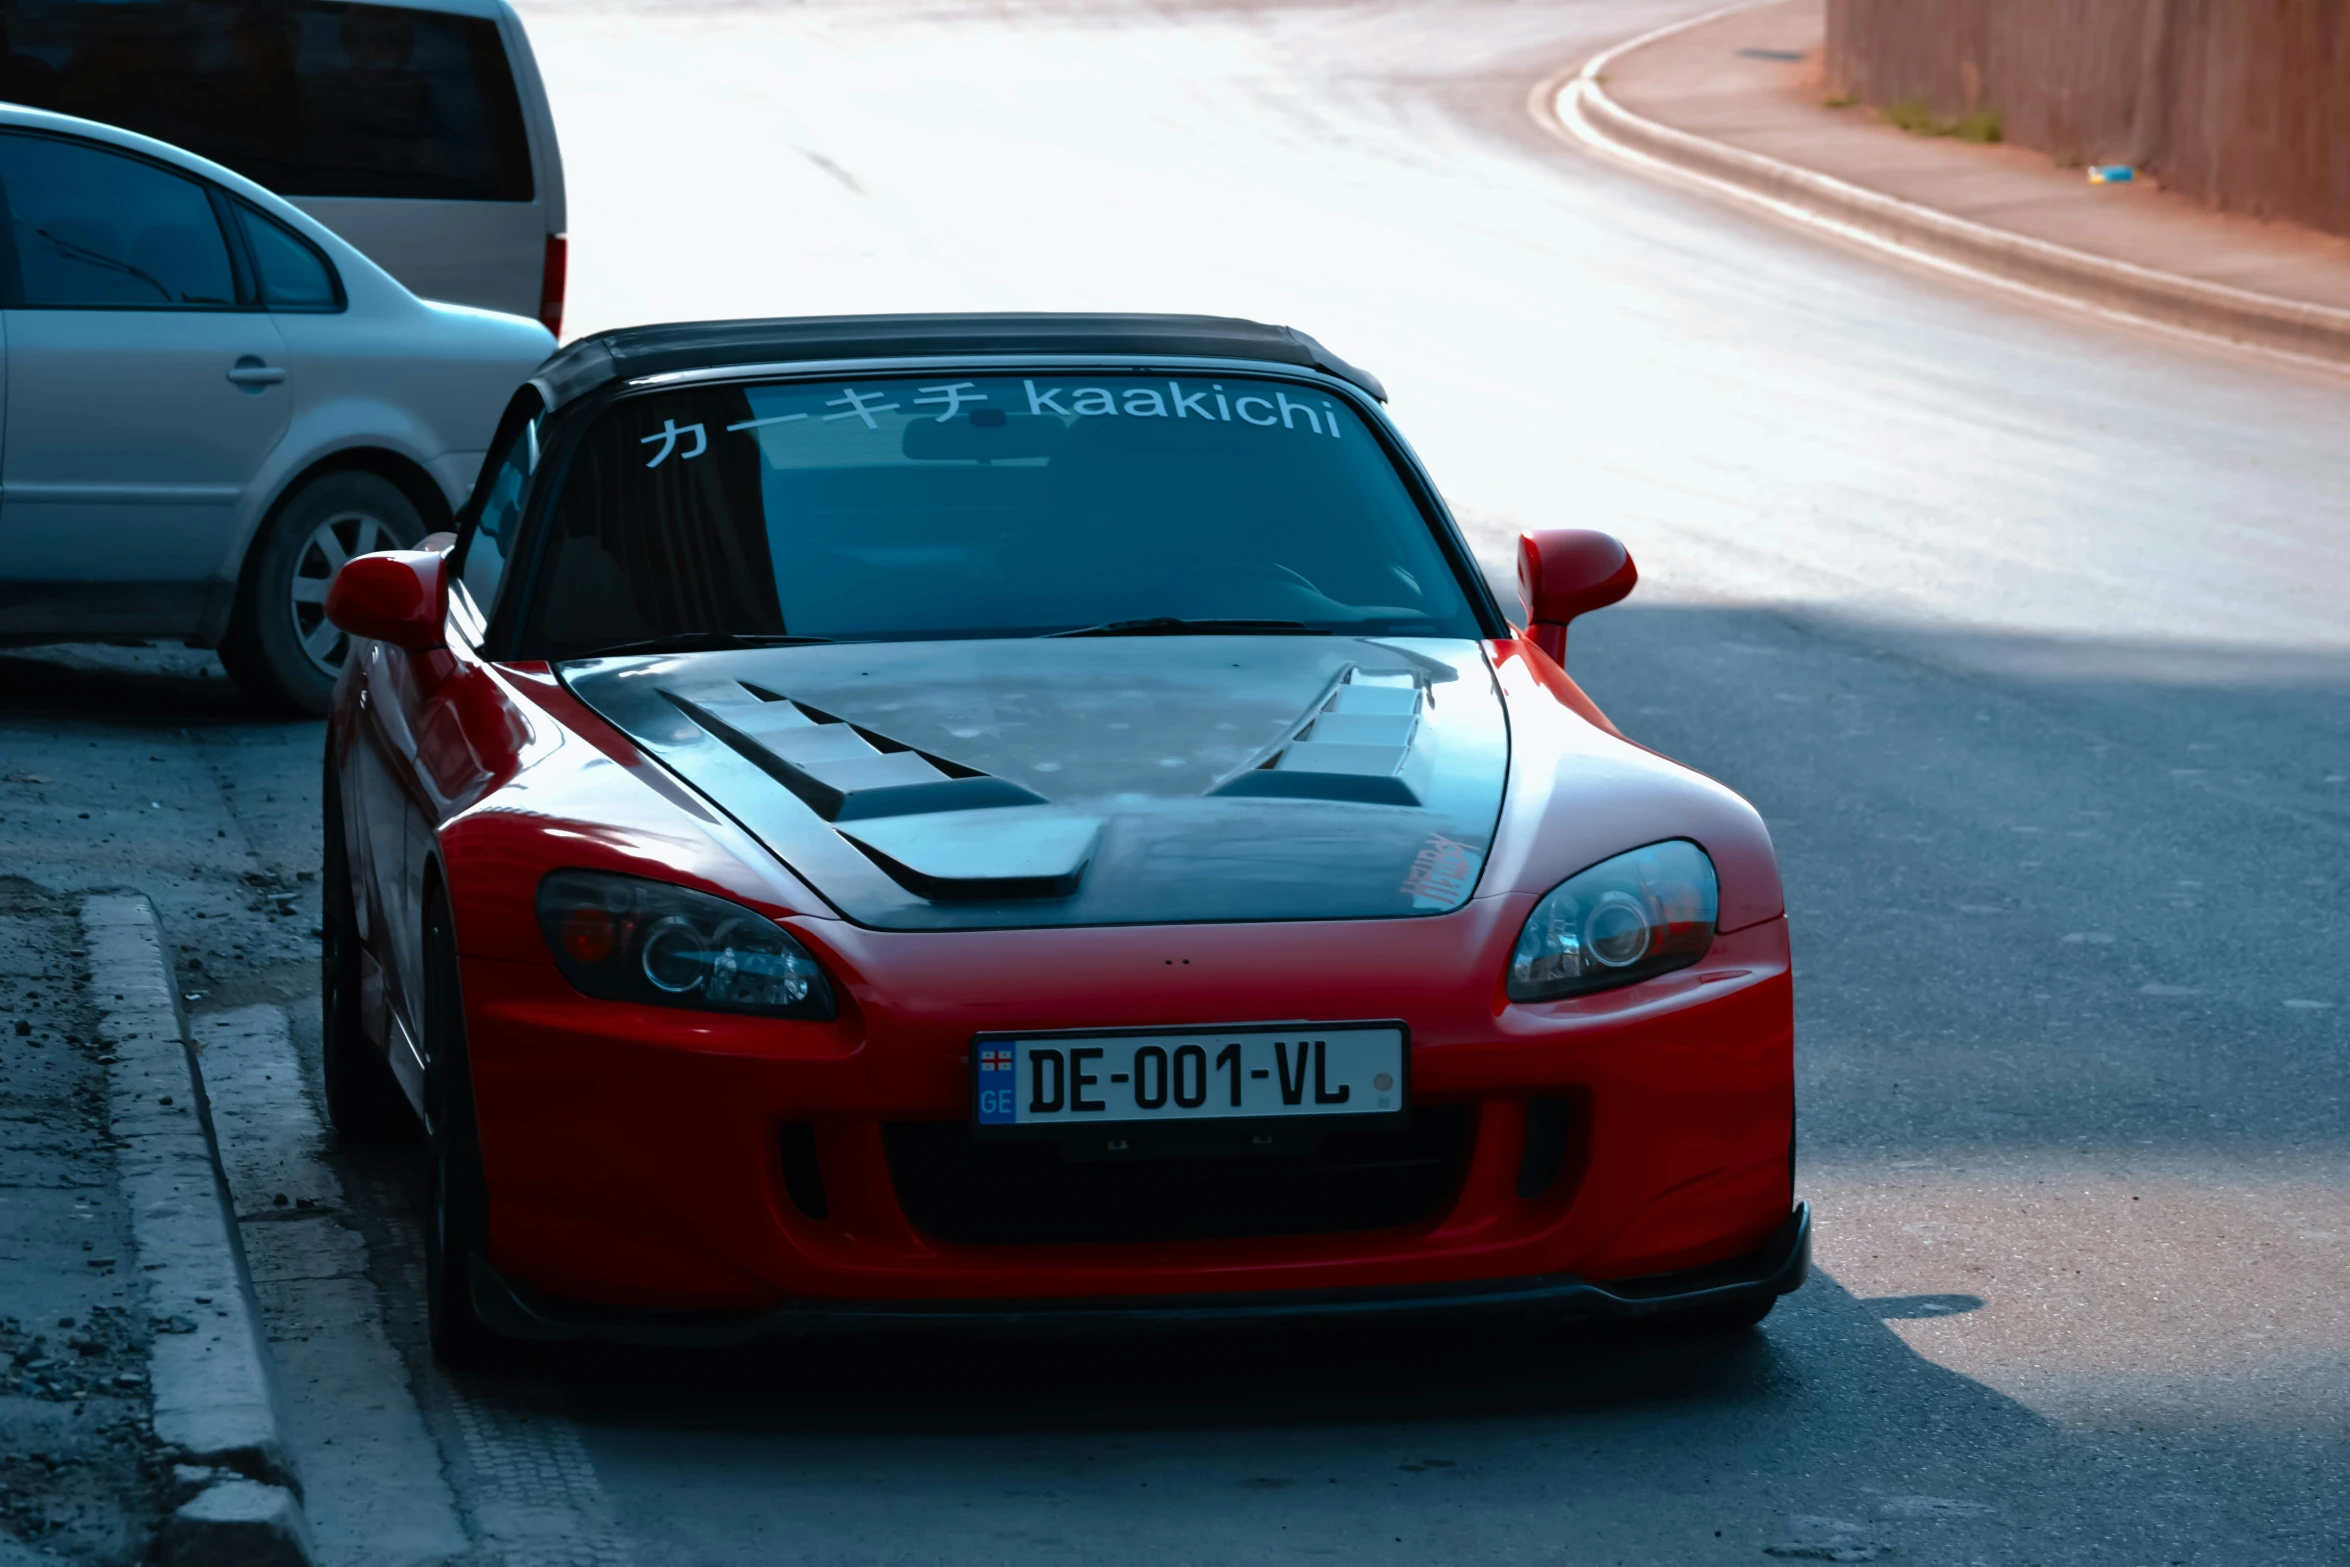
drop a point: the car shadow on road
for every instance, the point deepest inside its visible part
(102, 682)
(1807, 1436)
(1430, 1369)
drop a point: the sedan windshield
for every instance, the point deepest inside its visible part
(936, 507)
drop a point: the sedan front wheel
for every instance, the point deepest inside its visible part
(456, 1217)
(280, 648)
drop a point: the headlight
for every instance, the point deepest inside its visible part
(627, 939)
(1624, 920)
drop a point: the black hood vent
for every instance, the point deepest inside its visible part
(1354, 744)
(1042, 781)
(844, 772)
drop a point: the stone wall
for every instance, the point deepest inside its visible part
(2244, 104)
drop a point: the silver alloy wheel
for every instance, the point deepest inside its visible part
(334, 541)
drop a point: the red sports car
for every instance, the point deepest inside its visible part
(964, 820)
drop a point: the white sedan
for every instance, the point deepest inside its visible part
(212, 402)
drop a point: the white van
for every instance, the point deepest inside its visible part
(418, 131)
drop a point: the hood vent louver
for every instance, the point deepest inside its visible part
(997, 855)
(940, 830)
(843, 772)
(1357, 744)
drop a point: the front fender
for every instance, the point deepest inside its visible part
(557, 786)
(1579, 794)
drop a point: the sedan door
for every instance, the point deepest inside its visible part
(143, 393)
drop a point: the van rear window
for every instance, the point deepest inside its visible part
(307, 98)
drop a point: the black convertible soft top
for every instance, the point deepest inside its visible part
(592, 362)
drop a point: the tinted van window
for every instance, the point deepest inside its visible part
(307, 98)
(93, 229)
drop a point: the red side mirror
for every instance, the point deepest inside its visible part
(1565, 572)
(397, 596)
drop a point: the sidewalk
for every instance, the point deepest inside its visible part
(1752, 83)
(141, 768)
(77, 1458)
(138, 1421)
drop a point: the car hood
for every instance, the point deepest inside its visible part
(1090, 781)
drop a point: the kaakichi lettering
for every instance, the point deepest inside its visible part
(858, 407)
(1276, 409)
(670, 431)
(954, 397)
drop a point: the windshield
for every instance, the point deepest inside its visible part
(938, 507)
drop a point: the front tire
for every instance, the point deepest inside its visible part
(363, 1099)
(456, 1221)
(281, 649)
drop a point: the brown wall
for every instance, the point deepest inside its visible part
(2244, 104)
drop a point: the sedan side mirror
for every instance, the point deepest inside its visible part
(1565, 572)
(395, 596)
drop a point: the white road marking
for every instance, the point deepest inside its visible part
(1559, 107)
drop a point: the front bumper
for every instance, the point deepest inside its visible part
(1777, 1267)
(636, 1157)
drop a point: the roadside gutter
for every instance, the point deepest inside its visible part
(1580, 108)
(215, 1400)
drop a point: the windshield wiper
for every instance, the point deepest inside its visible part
(701, 642)
(1171, 626)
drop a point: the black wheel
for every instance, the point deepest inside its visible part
(456, 1220)
(280, 648)
(1734, 1316)
(363, 1099)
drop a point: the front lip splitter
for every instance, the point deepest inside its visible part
(1777, 1267)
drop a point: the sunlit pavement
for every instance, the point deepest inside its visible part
(2026, 636)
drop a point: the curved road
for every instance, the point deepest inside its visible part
(2028, 635)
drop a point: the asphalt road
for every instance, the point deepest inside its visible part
(2027, 635)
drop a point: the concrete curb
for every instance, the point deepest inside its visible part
(2291, 329)
(215, 1398)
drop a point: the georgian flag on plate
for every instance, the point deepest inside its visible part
(998, 1082)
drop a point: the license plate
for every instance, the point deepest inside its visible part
(1058, 1082)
